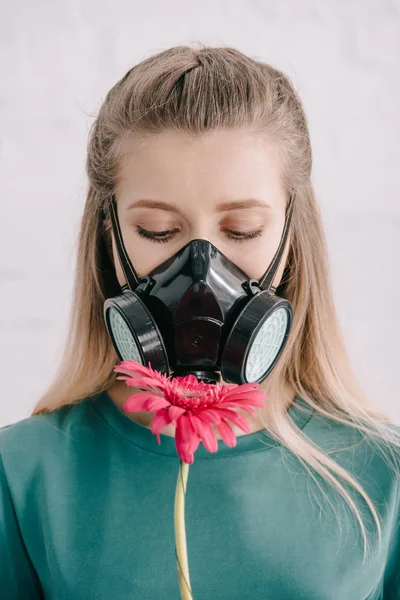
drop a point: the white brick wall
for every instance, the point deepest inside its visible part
(58, 61)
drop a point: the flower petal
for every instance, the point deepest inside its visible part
(161, 419)
(149, 382)
(138, 401)
(136, 369)
(236, 418)
(133, 367)
(175, 412)
(185, 427)
(247, 407)
(242, 401)
(154, 403)
(246, 387)
(141, 375)
(190, 380)
(252, 395)
(198, 424)
(186, 449)
(211, 415)
(226, 433)
(145, 383)
(205, 432)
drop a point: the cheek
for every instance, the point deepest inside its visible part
(143, 255)
(255, 262)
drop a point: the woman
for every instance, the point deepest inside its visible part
(202, 144)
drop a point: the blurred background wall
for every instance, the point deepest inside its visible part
(59, 59)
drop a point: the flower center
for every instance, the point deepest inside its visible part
(190, 398)
(190, 393)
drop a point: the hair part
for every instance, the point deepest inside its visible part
(195, 91)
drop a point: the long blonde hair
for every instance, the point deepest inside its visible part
(194, 90)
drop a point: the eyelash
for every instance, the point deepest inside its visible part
(161, 237)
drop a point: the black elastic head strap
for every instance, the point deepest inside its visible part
(131, 276)
(267, 278)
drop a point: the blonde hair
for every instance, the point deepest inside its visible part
(195, 90)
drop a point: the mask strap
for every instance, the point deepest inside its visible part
(267, 278)
(130, 274)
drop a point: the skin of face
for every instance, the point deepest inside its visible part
(224, 187)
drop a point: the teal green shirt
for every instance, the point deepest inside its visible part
(87, 505)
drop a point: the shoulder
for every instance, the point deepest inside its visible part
(26, 434)
(33, 430)
(342, 439)
(372, 461)
(28, 444)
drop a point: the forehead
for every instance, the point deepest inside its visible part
(225, 162)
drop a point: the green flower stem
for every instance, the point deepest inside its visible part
(180, 532)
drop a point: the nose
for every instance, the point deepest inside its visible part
(200, 253)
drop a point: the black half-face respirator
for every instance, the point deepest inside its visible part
(198, 313)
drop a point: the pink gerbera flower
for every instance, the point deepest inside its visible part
(191, 405)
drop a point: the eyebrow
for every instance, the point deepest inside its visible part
(223, 207)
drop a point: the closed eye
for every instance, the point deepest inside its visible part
(167, 235)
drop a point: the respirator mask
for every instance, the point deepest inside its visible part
(198, 313)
